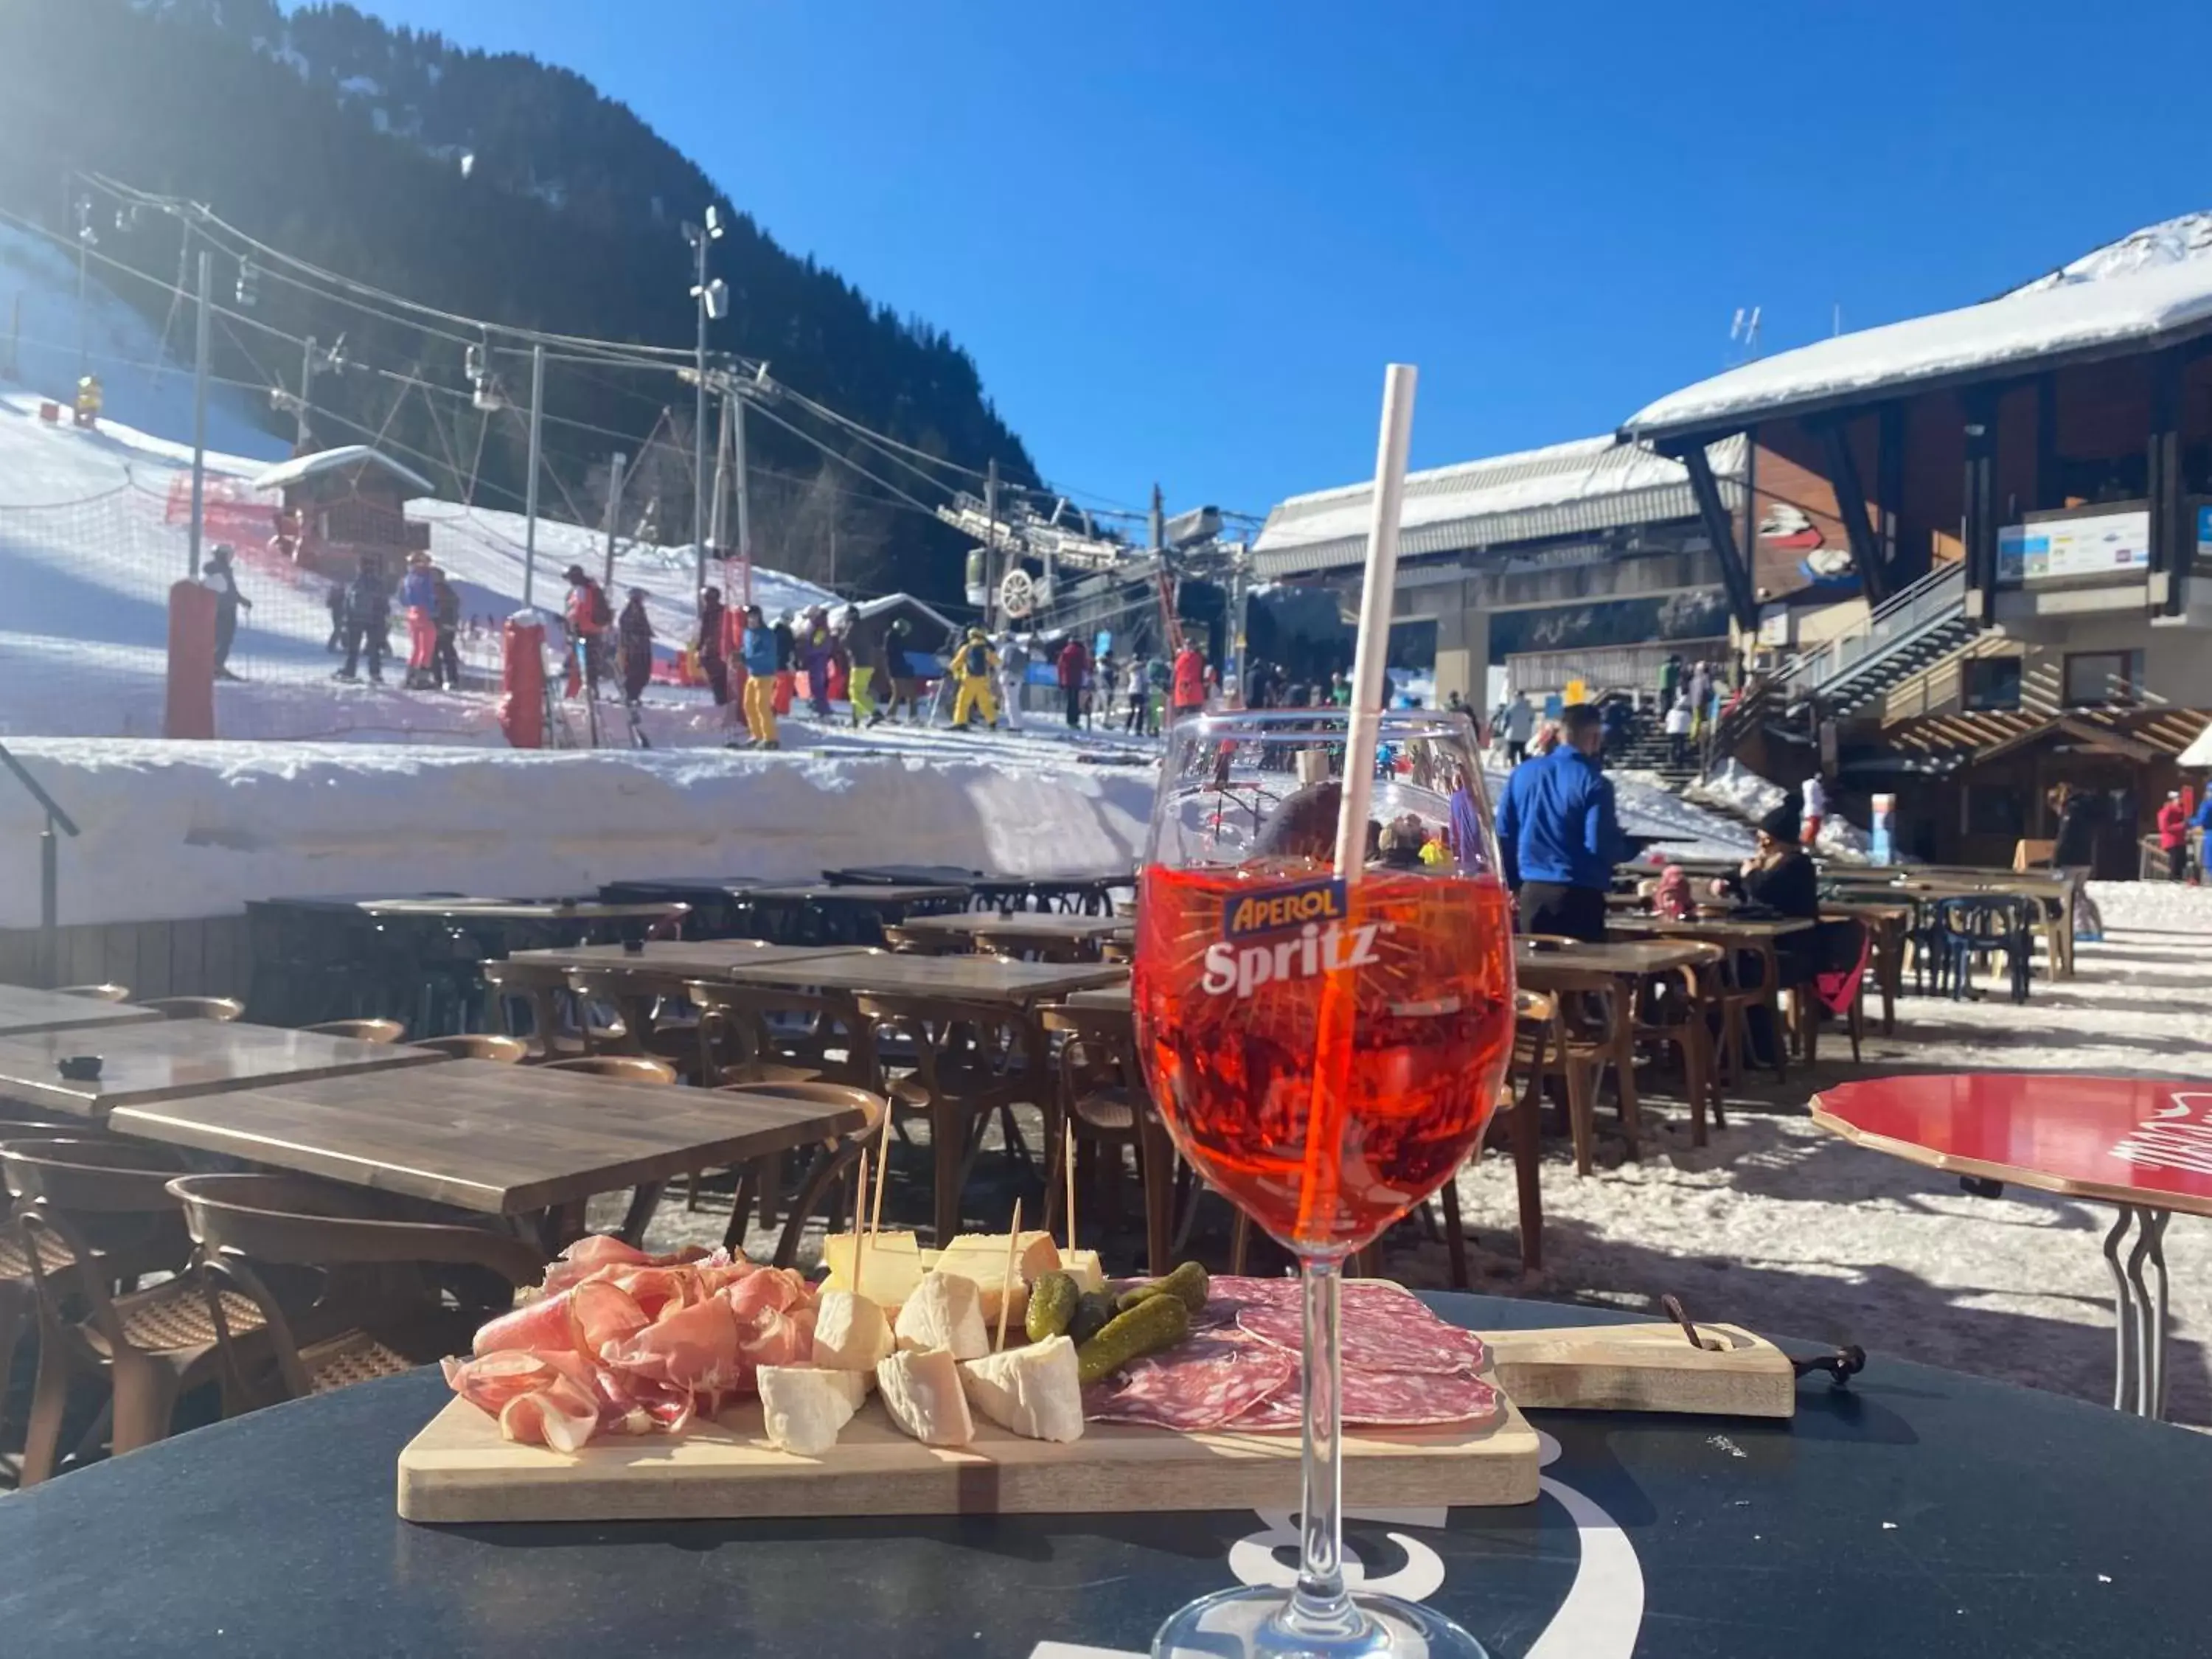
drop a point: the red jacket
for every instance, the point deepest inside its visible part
(1073, 659)
(1189, 679)
(585, 613)
(2172, 825)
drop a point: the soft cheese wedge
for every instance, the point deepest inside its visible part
(850, 1333)
(892, 1264)
(1033, 1391)
(982, 1257)
(806, 1405)
(946, 1311)
(921, 1391)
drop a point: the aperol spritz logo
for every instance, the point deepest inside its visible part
(1280, 934)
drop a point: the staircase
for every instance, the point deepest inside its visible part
(1649, 749)
(1908, 635)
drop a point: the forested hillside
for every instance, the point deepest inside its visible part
(488, 186)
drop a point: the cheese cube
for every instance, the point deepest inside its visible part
(922, 1392)
(892, 1263)
(1033, 1391)
(1085, 1268)
(805, 1407)
(946, 1311)
(850, 1333)
(982, 1257)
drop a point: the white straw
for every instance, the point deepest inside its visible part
(1376, 598)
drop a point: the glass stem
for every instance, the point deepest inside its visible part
(1320, 1605)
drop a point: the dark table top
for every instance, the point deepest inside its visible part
(674, 958)
(1921, 1512)
(502, 1139)
(901, 875)
(966, 979)
(1721, 930)
(22, 1009)
(875, 894)
(1021, 924)
(1636, 956)
(172, 1059)
(679, 889)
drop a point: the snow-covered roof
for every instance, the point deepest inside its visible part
(876, 607)
(1588, 485)
(2169, 242)
(2130, 293)
(2199, 752)
(326, 461)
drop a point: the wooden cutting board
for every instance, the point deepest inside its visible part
(459, 1469)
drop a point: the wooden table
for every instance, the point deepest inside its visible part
(515, 909)
(1625, 959)
(1089, 891)
(847, 915)
(1629, 963)
(23, 1010)
(1757, 934)
(675, 960)
(2144, 1145)
(1102, 999)
(173, 1060)
(508, 1140)
(1022, 925)
(992, 982)
(2044, 888)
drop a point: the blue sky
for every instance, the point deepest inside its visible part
(1182, 239)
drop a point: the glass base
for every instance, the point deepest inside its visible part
(1249, 1623)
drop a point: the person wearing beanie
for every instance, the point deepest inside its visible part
(1779, 879)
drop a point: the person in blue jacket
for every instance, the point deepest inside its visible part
(758, 648)
(1557, 834)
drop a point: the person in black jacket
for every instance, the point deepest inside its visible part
(446, 618)
(228, 601)
(1777, 880)
(368, 614)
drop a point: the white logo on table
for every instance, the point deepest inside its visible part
(2176, 1136)
(1254, 1559)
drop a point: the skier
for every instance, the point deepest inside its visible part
(633, 645)
(418, 597)
(1816, 809)
(818, 651)
(228, 601)
(756, 647)
(869, 673)
(1098, 696)
(588, 616)
(906, 687)
(1137, 690)
(787, 673)
(337, 601)
(368, 613)
(1678, 731)
(446, 616)
(1073, 664)
(89, 400)
(1189, 684)
(713, 660)
(972, 666)
(1013, 675)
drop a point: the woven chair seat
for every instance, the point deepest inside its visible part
(15, 1255)
(1107, 1110)
(355, 1356)
(173, 1315)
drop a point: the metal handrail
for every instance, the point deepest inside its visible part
(1903, 613)
(49, 864)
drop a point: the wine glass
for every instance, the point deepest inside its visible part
(1326, 1049)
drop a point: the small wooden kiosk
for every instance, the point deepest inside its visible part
(342, 505)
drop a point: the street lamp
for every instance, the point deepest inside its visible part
(713, 299)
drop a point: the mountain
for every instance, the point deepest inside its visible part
(494, 185)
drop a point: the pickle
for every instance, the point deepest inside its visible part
(1094, 1311)
(1156, 1322)
(1053, 1300)
(1187, 1283)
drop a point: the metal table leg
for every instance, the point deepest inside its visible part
(2124, 1330)
(2150, 1312)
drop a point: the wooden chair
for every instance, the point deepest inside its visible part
(542, 991)
(220, 1008)
(362, 1030)
(1104, 1104)
(479, 1045)
(620, 1068)
(1670, 1013)
(639, 1026)
(107, 1201)
(832, 1162)
(1840, 940)
(746, 1025)
(1536, 1037)
(905, 942)
(1591, 1031)
(97, 992)
(1737, 995)
(19, 1304)
(376, 1312)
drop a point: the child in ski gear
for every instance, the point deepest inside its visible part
(634, 641)
(973, 665)
(417, 597)
(758, 648)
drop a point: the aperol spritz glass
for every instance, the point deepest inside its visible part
(1326, 1047)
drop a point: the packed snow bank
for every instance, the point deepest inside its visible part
(177, 830)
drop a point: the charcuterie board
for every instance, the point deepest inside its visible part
(459, 1470)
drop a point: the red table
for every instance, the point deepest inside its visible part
(2141, 1144)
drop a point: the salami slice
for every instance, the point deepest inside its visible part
(1385, 1399)
(1202, 1384)
(1384, 1328)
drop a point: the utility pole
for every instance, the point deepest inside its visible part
(991, 548)
(307, 393)
(699, 428)
(721, 515)
(1159, 521)
(529, 489)
(199, 409)
(84, 240)
(745, 501)
(614, 514)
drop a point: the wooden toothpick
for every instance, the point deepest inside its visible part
(1067, 1173)
(859, 1232)
(1006, 1280)
(876, 1207)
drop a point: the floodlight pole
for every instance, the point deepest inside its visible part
(700, 239)
(745, 503)
(529, 489)
(199, 412)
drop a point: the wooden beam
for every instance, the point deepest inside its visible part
(2048, 494)
(2172, 549)
(1978, 510)
(1889, 493)
(1852, 508)
(1720, 531)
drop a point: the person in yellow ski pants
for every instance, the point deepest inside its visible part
(972, 667)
